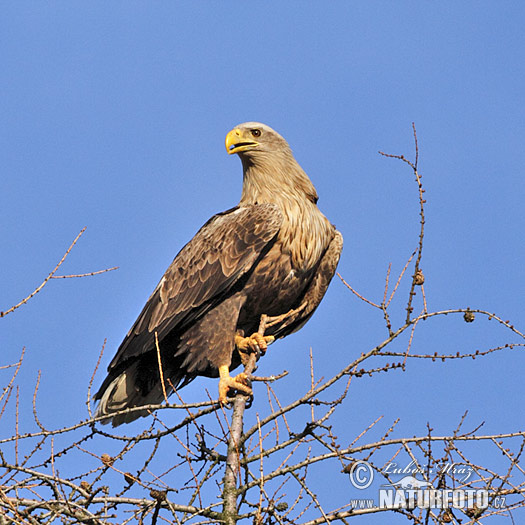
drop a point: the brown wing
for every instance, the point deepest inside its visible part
(222, 252)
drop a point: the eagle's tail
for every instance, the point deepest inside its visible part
(138, 385)
(123, 392)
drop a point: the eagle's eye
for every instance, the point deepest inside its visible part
(255, 132)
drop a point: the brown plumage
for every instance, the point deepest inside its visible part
(268, 255)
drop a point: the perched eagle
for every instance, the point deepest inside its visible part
(271, 254)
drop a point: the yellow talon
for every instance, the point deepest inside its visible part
(240, 382)
(253, 344)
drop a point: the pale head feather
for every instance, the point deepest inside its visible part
(272, 175)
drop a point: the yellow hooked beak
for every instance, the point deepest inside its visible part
(237, 141)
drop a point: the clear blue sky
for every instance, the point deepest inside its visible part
(113, 116)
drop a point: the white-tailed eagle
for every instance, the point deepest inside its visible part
(272, 253)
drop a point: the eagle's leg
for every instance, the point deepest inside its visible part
(254, 344)
(240, 382)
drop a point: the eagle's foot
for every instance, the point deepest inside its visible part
(240, 383)
(255, 344)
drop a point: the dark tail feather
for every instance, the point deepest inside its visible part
(136, 386)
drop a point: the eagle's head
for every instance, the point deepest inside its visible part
(270, 172)
(253, 138)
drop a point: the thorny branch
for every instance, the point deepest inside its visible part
(205, 466)
(53, 276)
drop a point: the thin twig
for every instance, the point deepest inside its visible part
(159, 361)
(90, 274)
(46, 280)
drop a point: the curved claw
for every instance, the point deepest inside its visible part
(240, 383)
(255, 344)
